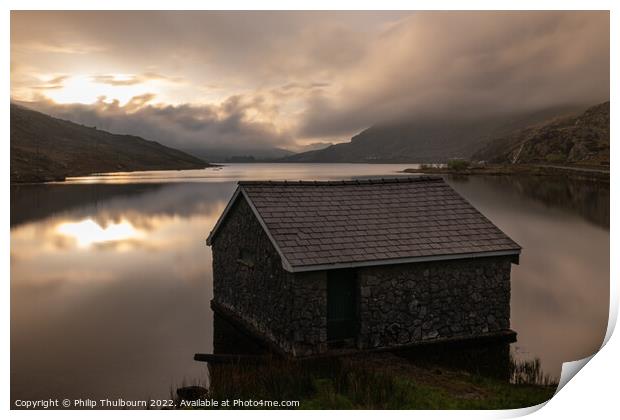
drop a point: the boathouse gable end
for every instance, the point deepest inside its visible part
(249, 281)
(252, 289)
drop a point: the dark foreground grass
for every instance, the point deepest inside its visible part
(387, 383)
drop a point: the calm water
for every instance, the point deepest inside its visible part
(111, 278)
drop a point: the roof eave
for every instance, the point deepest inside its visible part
(393, 261)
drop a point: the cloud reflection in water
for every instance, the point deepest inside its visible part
(88, 232)
(116, 290)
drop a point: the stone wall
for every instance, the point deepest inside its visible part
(403, 304)
(310, 313)
(249, 280)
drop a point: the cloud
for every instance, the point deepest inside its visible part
(459, 65)
(276, 78)
(58, 48)
(229, 126)
(112, 79)
(131, 79)
(53, 83)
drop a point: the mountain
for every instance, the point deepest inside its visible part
(44, 148)
(315, 146)
(578, 139)
(426, 141)
(248, 154)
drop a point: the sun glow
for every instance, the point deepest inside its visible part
(87, 90)
(88, 232)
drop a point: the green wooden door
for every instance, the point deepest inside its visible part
(341, 305)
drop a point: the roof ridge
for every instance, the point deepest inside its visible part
(366, 181)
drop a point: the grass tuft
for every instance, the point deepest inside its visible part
(355, 384)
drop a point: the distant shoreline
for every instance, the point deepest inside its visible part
(574, 172)
(599, 174)
(45, 178)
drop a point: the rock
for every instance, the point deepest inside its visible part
(417, 334)
(394, 329)
(433, 334)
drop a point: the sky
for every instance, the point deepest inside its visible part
(251, 80)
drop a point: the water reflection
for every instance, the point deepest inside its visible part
(35, 202)
(255, 171)
(88, 232)
(111, 283)
(560, 289)
(114, 290)
(589, 200)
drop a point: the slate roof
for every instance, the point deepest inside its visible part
(332, 224)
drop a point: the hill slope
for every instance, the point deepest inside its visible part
(247, 154)
(44, 148)
(425, 141)
(581, 139)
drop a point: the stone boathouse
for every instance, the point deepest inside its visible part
(309, 267)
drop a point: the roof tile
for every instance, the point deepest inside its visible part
(317, 223)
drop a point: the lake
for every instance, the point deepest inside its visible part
(111, 278)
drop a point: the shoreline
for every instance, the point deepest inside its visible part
(44, 179)
(577, 172)
(598, 174)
